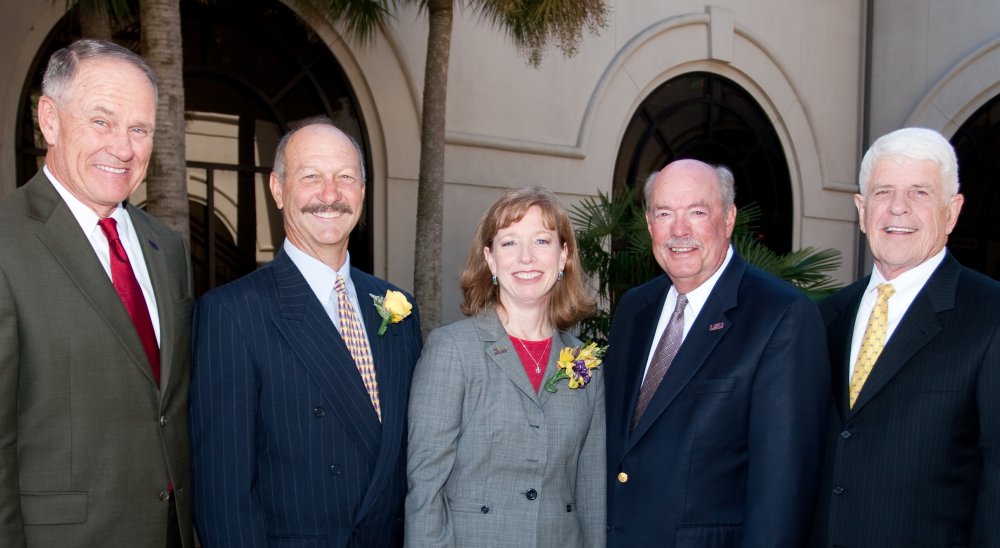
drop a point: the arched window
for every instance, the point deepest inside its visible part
(710, 118)
(975, 242)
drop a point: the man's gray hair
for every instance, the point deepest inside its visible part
(916, 144)
(727, 186)
(64, 64)
(279, 153)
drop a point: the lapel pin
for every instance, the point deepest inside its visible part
(153, 245)
(499, 350)
(716, 326)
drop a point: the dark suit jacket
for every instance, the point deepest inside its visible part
(287, 448)
(916, 462)
(728, 451)
(87, 440)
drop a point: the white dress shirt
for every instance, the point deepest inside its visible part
(696, 301)
(907, 285)
(130, 241)
(322, 279)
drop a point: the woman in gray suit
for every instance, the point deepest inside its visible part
(494, 458)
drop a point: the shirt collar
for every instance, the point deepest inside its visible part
(911, 281)
(83, 214)
(320, 276)
(698, 296)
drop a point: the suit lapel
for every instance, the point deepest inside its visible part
(159, 276)
(917, 327)
(63, 238)
(841, 332)
(322, 352)
(708, 328)
(391, 374)
(638, 351)
(500, 349)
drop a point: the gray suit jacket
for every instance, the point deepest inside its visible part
(88, 442)
(491, 462)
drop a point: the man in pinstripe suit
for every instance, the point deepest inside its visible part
(290, 446)
(913, 448)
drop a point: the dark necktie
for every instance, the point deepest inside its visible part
(664, 354)
(128, 289)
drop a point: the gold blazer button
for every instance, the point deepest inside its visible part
(622, 477)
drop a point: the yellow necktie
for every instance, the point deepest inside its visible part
(873, 341)
(357, 343)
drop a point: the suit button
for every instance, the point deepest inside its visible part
(531, 494)
(485, 509)
(164, 496)
(163, 421)
(319, 412)
(335, 470)
(838, 490)
(622, 477)
(845, 434)
(569, 507)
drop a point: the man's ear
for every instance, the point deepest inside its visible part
(48, 119)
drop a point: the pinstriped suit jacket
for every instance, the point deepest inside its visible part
(916, 461)
(287, 449)
(492, 463)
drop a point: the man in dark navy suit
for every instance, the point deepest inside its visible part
(298, 399)
(913, 451)
(717, 386)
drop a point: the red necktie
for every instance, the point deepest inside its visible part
(131, 294)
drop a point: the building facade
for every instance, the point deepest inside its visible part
(786, 92)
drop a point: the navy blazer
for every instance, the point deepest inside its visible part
(916, 461)
(728, 451)
(287, 449)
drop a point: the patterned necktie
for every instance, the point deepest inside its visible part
(123, 278)
(354, 337)
(873, 341)
(664, 354)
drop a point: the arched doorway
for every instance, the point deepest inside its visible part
(711, 118)
(975, 242)
(252, 69)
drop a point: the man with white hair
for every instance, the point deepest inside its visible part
(913, 446)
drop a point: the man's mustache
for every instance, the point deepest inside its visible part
(682, 242)
(335, 207)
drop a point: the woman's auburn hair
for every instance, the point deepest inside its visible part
(569, 301)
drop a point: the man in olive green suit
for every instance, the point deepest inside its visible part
(95, 305)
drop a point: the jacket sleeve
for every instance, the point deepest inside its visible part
(435, 423)
(985, 531)
(223, 446)
(787, 423)
(11, 525)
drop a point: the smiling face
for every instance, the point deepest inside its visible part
(322, 193)
(688, 223)
(100, 133)
(526, 258)
(906, 214)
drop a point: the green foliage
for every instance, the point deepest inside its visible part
(616, 254)
(360, 17)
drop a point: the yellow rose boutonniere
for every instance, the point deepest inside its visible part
(575, 364)
(393, 308)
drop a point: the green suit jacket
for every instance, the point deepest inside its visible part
(88, 442)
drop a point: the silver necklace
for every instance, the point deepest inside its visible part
(538, 365)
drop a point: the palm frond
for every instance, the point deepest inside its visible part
(360, 17)
(532, 24)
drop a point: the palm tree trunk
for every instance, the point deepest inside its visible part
(166, 179)
(430, 193)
